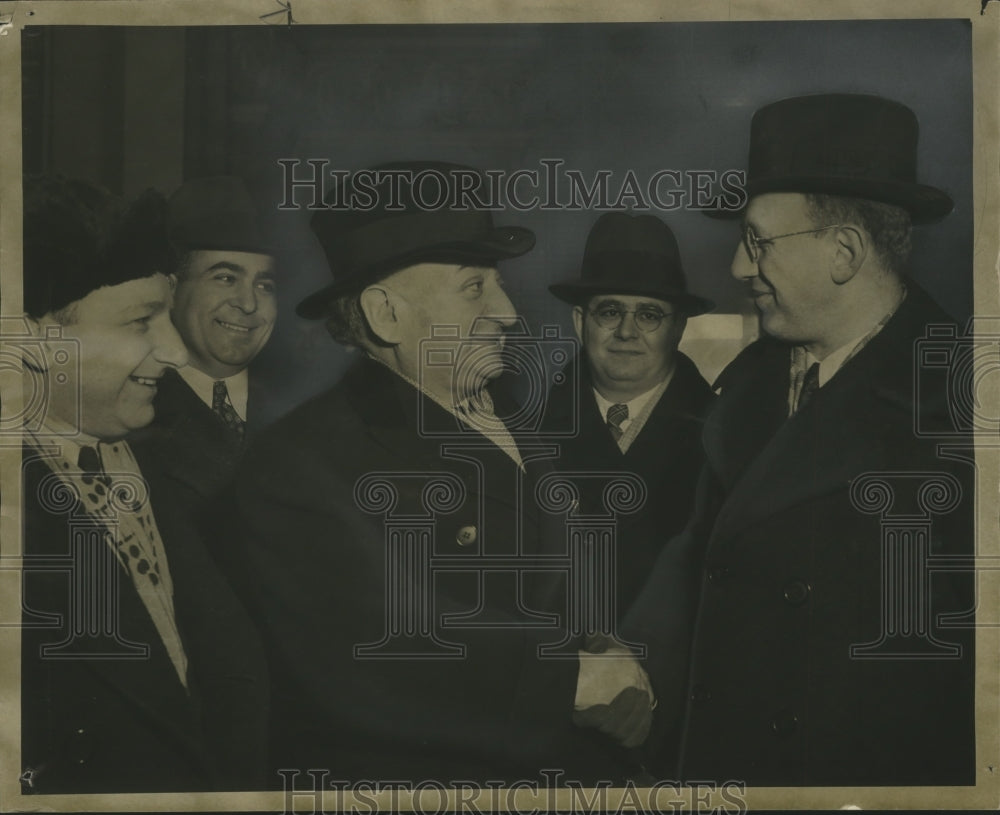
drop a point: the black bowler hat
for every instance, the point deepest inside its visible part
(632, 254)
(388, 217)
(78, 238)
(216, 212)
(854, 145)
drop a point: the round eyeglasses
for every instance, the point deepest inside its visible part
(752, 243)
(646, 319)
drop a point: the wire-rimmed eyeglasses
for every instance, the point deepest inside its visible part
(752, 243)
(647, 319)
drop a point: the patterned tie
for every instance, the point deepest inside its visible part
(616, 415)
(94, 478)
(224, 409)
(810, 384)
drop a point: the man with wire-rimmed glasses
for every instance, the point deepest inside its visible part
(641, 401)
(795, 638)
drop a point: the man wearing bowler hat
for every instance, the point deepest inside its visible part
(641, 403)
(140, 671)
(796, 629)
(224, 309)
(387, 670)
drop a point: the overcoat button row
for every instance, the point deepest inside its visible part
(466, 536)
(81, 746)
(796, 593)
(784, 723)
(700, 693)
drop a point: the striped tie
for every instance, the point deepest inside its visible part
(616, 415)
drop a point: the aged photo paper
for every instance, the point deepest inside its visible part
(572, 110)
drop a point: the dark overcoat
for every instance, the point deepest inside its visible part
(119, 724)
(753, 612)
(187, 453)
(666, 455)
(340, 503)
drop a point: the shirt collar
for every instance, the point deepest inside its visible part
(202, 384)
(636, 404)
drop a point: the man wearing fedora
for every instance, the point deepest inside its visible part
(380, 668)
(641, 403)
(781, 650)
(140, 671)
(224, 309)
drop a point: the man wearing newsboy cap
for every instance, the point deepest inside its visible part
(641, 403)
(795, 631)
(140, 672)
(382, 669)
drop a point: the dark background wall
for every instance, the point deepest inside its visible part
(138, 107)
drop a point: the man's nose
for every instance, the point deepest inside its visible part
(168, 347)
(628, 328)
(245, 297)
(742, 268)
(500, 308)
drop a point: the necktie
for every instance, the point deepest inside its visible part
(810, 384)
(224, 409)
(616, 415)
(89, 462)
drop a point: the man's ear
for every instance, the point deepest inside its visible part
(578, 322)
(852, 246)
(380, 309)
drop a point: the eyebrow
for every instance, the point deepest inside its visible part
(226, 265)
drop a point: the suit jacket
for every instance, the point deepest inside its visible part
(667, 455)
(311, 560)
(98, 724)
(754, 609)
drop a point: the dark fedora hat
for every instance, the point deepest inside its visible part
(855, 145)
(216, 212)
(385, 218)
(632, 254)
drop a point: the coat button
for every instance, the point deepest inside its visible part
(466, 536)
(700, 693)
(81, 746)
(784, 723)
(796, 593)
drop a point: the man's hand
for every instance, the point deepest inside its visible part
(613, 693)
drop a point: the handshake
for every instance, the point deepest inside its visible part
(613, 692)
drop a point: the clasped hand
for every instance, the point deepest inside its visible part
(613, 693)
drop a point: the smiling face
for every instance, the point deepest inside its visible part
(625, 361)
(125, 342)
(790, 283)
(435, 295)
(225, 308)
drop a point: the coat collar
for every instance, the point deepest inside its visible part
(767, 462)
(414, 428)
(687, 397)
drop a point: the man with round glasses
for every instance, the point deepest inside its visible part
(640, 402)
(798, 635)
